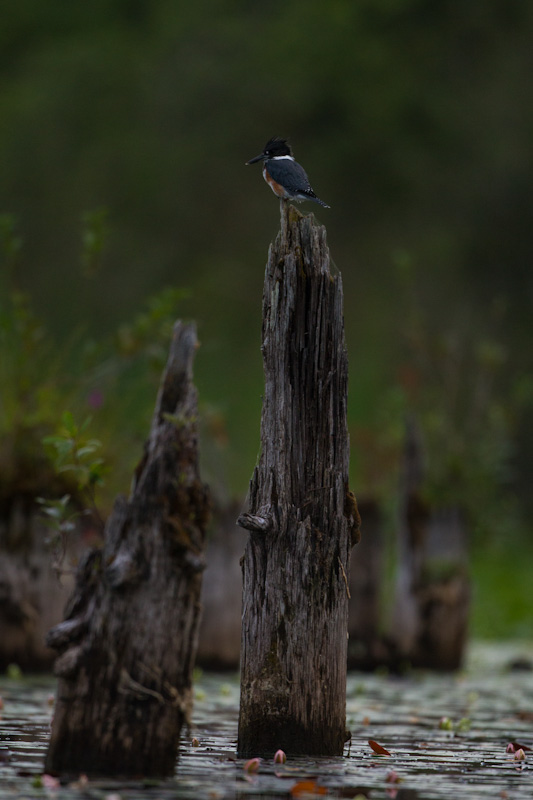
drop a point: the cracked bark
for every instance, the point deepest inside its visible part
(127, 645)
(301, 517)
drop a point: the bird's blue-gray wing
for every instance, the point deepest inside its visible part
(289, 174)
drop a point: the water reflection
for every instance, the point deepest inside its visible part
(447, 737)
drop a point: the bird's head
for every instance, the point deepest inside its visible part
(275, 147)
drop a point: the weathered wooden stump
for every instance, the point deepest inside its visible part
(301, 517)
(128, 641)
(432, 597)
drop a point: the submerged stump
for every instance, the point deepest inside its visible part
(367, 648)
(302, 517)
(432, 598)
(128, 641)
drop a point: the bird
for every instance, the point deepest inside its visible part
(287, 179)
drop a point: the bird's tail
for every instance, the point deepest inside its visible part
(318, 200)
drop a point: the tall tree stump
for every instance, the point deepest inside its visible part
(128, 641)
(301, 517)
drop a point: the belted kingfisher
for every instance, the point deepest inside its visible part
(287, 179)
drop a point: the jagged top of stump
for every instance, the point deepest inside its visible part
(301, 234)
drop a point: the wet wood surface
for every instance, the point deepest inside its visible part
(127, 644)
(301, 516)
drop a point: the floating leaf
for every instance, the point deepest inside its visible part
(303, 788)
(377, 748)
(517, 746)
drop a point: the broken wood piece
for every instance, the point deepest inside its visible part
(128, 644)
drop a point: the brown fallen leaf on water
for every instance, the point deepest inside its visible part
(378, 749)
(512, 747)
(307, 787)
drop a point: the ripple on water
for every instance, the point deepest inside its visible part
(447, 736)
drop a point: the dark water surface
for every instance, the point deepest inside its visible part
(487, 706)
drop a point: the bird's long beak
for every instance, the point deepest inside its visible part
(257, 158)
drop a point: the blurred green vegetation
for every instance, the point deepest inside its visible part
(57, 395)
(124, 129)
(501, 602)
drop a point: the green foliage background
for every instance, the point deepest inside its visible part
(414, 121)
